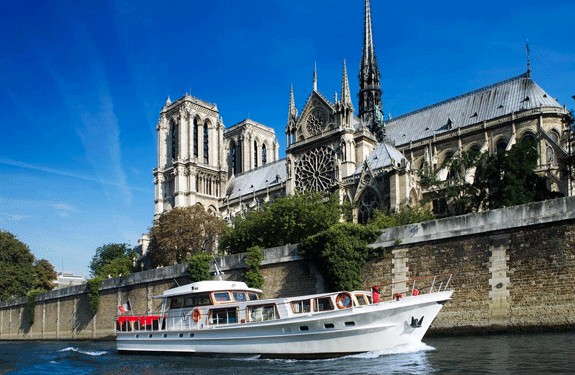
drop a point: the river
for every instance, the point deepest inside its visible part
(490, 354)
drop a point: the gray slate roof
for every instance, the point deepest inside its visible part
(503, 98)
(257, 179)
(382, 156)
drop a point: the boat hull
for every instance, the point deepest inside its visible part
(368, 328)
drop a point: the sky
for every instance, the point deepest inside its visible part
(82, 84)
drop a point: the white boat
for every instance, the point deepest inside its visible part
(229, 318)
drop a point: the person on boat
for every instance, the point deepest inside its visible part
(375, 296)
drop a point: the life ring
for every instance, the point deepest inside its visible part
(196, 315)
(343, 300)
(415, 292)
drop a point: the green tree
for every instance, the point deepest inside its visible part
(182, 232)
(508, 178)
(286, 220)
(45, 275)
(115, 259)
(17, 273)
(406, 215)
(340, 253)
(199, 266)
(458, 190)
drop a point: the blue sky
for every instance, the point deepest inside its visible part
(82, 84)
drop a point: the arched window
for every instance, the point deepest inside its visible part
(196, 137)
(206, 145)
(174, 139)
(554, 136)
(550, 155)
(264, 154)
(529, 137)
(233, 158)
(368, 203)
(238, 166)
(501, 145)
(255, 154)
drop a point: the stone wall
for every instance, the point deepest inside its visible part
(513, 269)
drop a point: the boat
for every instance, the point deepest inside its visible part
(218, 317)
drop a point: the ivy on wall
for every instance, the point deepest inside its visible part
(93, 287)
(253, 275)
(340, 254)
(31, 303)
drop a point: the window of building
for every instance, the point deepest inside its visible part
(196, 138)
(264, 154)
(255, 154)
(233, 158)
(174, 133)
(501, 145)
(206, 144)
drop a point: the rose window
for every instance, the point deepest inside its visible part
(316, 121)
(315, 170)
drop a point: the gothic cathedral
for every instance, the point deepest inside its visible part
(370, 162)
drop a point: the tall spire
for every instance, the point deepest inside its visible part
(345, 93)
(369, 86)
(292, 113)
(528, 59)
(315, 77)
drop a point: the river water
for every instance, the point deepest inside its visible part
(495, 354)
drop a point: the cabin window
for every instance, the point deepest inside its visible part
(253, 296)
(190, 300)
(223, 316)
(262, 313)
(362, 299)
(222, 297)
(323, 304)
(177, 302)
(239, 296)
(299, 307)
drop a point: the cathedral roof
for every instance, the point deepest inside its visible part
(257, 179)
(384, 155)
(503, 98)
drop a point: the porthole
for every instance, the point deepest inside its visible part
(304, 328)
(328, 325)
(349, 324)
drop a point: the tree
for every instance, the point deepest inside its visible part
(406, 215)
(508, 178)
(17, 273)
(340, 254)
(505, 178)
(286, 220)
(182, 232)
(45, 275)
(115, 259)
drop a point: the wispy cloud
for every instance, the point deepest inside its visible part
(58, 172)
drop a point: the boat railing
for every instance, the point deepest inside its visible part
(417, 286)
(140, 323)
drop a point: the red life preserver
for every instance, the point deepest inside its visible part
(415, 292)
(196, 315)
(343, 300)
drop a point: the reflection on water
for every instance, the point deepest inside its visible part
(497, 354)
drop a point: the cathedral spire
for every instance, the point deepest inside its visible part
(369, 87)
(292, 113)
(315, 77)
(345, 93)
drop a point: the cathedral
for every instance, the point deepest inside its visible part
(372, 163)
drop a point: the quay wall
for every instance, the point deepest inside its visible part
(513, 270)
